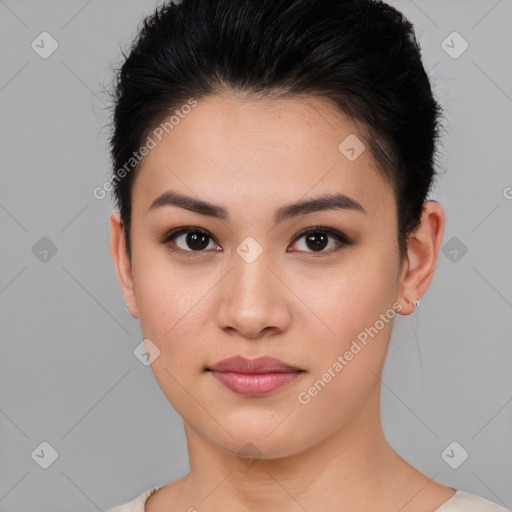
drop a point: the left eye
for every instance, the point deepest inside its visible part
(317, 238)
(197, 240)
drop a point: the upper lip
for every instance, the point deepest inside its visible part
(263, 364)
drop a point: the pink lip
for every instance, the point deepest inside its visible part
(254, 377)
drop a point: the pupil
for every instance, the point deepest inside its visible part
(197, 238)
(318, 244)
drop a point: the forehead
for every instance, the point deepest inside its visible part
(266, 150)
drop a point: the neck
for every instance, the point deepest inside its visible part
(354, 468)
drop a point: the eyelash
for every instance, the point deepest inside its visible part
(341, 238)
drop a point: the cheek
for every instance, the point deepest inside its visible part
(166, 292)
(175, 312)
(347, 364)
(359, 314)
(170, 309)
(170, 313)
(354, 296)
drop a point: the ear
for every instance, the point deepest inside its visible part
(422, 251)
(119, 253)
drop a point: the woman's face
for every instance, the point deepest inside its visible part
(255, 287)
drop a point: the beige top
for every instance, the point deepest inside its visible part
(461, 501)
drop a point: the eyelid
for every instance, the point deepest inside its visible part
(342, 239)
(172, 233)
(167, 237)
(338, 235)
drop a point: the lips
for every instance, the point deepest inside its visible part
(254, 377)
(263, 364)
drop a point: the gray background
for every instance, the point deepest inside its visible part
(68, 375)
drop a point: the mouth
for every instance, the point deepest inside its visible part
(254, 377)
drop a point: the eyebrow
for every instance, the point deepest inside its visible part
(325, 202)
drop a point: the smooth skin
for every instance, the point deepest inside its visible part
(297, 303)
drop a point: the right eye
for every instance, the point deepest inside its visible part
(192, 240)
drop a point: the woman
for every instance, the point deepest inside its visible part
(272, 162)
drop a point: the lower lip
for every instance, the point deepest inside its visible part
(254, 384)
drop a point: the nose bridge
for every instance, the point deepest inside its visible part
(251, 276)
(254, 299)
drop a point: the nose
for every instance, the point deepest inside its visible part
(254, 302)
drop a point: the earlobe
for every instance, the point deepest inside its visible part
(421, 259)
(121, 261)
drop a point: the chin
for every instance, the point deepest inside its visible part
(250, 450)
(260, 442)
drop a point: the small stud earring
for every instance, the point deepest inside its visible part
(416, 303)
